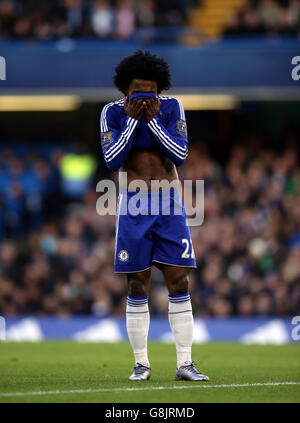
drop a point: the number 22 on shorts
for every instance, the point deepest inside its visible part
(188, 244)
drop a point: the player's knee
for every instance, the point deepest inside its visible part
(137, 287)
(179, 285)
(138, 284)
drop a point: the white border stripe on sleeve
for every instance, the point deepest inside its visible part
(180, 155)
(103, 120)
(163, 137)
(175, 152)
(113, 148)
(166, 136)
(182, 116)
(124, 142)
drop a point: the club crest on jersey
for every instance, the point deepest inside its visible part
(181, 127)
(106, 138)
(123, 255)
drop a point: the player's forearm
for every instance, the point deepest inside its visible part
(175, 148)
(117, 151)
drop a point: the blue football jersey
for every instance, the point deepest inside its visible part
(120, 133)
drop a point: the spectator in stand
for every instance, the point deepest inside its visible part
(103, 18)
(145, 20)
(233, 26)
(251, 24)
(74, 16)
(270, 14)
(170, 13)
(288, 25)
(146, 13)
(125, 19)
(294, 12)
(7, 18)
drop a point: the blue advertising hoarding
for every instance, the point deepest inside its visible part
(77, 64)
(264, 330)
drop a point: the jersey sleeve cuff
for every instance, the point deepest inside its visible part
(155, 121)
(133, 121)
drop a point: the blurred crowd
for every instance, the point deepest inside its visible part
(58, 257)
(265, 17)
(248, 248)
(105, 19)
(141, 20)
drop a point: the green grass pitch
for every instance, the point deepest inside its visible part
(99, 373)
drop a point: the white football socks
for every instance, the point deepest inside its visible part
(137, 323)
(182, 324)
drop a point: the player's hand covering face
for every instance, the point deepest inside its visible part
(134, 108)
(151, 108)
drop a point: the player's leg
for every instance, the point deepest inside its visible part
(173, 253)
(137, 322)
(134, 246)
(181, 321)
(180, 311)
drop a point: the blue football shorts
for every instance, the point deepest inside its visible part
(151, 227)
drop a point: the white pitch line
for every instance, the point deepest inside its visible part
(149, 388)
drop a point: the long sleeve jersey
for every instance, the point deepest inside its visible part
(119, 132)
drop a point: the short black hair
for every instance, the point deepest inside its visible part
(142, 65)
